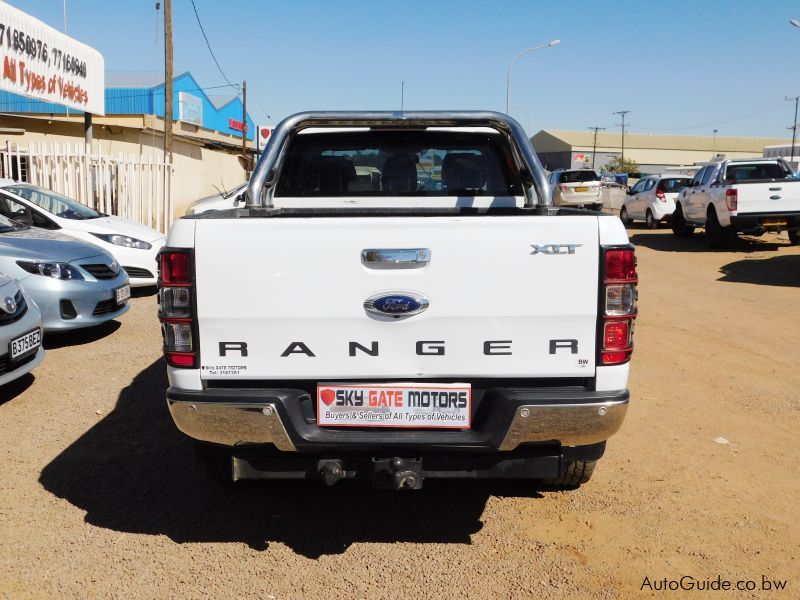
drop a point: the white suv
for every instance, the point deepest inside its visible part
(652, 199)
(576, 187)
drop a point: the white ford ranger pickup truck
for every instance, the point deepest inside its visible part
(750, 196)
(433, 316)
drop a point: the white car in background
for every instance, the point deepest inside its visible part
(576, 187)
(223, 200)
(135, 246)
(652, 199)
(20, 331)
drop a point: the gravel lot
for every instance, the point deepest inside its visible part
(100, 496)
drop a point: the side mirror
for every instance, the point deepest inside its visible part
(239, 199)
(630, 192)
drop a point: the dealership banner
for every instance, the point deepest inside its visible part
(42, 63)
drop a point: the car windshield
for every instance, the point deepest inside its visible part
(392, 163)
(54, 203)
(757, 171)
(578, 176)
(673, 186)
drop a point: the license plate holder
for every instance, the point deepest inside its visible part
(395, 405)
(25, 344)
(122, 294)
(582, 189)
(775, 222)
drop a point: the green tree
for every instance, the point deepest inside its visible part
(617, 165)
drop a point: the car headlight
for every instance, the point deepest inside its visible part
(123, 240)
(55, 270)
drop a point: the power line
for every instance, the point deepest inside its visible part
(723, 121)
(205, 37)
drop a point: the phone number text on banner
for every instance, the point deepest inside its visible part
(42, 63)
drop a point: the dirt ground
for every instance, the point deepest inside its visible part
(100, 495)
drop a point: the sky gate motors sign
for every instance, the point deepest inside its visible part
(39, 62)
(438, 405)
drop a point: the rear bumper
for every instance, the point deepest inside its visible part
(506, 419)
(760, 222)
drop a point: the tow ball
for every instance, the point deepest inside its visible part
(397, 473)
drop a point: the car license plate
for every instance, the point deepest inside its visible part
(123, 294)
(439, 405)
(775, 222)
(25, 344)
(581, 189)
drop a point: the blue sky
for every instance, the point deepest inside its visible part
(681, 67)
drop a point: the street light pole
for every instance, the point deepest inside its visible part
(714, 145)
(516, 58)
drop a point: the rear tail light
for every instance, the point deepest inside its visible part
(565, 189)
(618, 305)
(176, 308)
(732, 199)
(660, 195)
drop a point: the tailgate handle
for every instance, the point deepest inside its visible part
(395, 258)
(775, 189)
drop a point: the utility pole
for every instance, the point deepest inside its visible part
(594, 143)
(794, 99)
(402, 95)
(167, 81)
(714, 145)
(244, 129)
(622, 113)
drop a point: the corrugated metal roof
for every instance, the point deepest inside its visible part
(585, 139)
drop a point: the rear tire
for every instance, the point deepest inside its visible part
(717, 236)
(597, 207)
(794, 237)
(650, 220)
(623, 216)
(679, 225)
(575, 474)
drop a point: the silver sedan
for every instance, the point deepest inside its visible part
(74, 284)
(20, 332)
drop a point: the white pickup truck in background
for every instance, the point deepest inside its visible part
(748, 196)
(338, 327)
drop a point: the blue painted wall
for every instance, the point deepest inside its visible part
(144, 101)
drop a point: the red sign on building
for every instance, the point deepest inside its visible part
(236, 125)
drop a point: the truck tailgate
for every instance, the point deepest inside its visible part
(293, 290)
(779, 196)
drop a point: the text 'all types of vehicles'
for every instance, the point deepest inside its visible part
(750, 196)
(135, 246)
(399, 299)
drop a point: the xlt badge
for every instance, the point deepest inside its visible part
(554, 248)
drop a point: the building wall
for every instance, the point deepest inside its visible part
(197, 170)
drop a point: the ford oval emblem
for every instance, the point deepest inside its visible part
(396, 304)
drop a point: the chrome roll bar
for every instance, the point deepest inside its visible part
(261, 186)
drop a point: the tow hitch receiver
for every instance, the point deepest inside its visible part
(397, 473)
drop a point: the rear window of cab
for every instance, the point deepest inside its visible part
(673, 185)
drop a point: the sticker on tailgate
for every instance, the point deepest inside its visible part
(439, 405)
